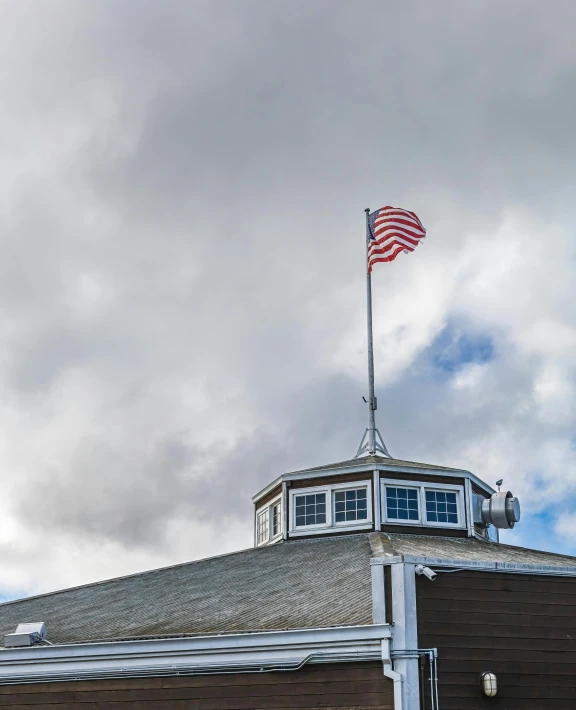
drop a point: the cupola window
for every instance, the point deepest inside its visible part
(276, 519)
(262, 526)
(441, 507)
(402, 503)
(419, 503)
(269, 522)
(343, 506)
(310, 509)
(350, 505)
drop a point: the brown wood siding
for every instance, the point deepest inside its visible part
(480, 491)
(424, 530)
(327, 480)
(269, 496)
(313, 687)
(388, 594)
(520, 627)
(420, 477)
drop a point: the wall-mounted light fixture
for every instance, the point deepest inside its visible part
(489, 684)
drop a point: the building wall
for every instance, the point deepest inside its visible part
(520, 627)
(343, 685)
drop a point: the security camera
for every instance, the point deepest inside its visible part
(426, 571)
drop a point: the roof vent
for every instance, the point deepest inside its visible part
(501, 510)
(26, 635)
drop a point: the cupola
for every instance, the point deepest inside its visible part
(373, 491)
(378, 493)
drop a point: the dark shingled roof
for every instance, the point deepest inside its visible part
(377, 460)
(297, 584)
(301, 584)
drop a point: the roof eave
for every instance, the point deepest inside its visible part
(268, 650)
(372, 466)
(553, 570)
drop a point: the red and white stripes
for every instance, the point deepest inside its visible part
(392, 230)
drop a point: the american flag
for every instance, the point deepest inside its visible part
(392, 230)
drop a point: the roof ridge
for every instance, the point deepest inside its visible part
(366, 460)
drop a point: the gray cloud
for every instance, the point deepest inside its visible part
(182, 291)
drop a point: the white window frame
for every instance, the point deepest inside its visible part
(277, 502)
(309, 491)
(459, 490)
(422, 487)
(268, 507)
(331, 523)
(261, 513)
(351, 487)
(398, 521)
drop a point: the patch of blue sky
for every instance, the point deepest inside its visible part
(537, 531)
(11, 596)
(457, 346)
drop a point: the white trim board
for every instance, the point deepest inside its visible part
(270, 487)
(368, 468)
(267, 507)
(422, 487)
(405, 632)
(198, 654)
(477, 565)
(331, 525)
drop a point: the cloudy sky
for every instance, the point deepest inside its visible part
(182, 267)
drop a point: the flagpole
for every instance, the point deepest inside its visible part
(372, 441)
(372, 403)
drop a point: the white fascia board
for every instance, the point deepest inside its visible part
(361, 468)
(365, 467)
(270, 487)
(551, 570)
(199, 654)
(389, 560)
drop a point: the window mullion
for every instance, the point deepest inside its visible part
(329, 507)
(423, 517)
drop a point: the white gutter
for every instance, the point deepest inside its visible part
(269, 650)
(479, 565)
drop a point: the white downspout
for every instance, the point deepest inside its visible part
(379, 617)
(389, 673)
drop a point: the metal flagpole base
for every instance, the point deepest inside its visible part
(379, 445)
